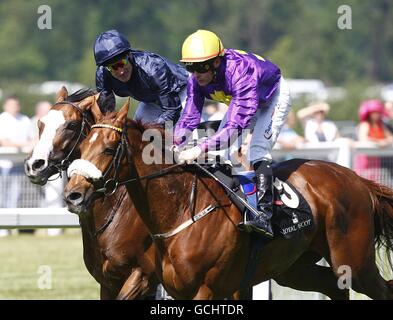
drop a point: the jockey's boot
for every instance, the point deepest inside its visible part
(264, 177)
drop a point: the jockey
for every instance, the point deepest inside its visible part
(157, 83)
(255, 92)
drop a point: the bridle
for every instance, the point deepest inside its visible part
(106, 186)
(110, 185)
(85, 128)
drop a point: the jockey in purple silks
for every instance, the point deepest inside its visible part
(255, 91)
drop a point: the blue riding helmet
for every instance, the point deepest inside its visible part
(108, 45)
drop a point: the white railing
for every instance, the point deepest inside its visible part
(50, 212)
(30, 218)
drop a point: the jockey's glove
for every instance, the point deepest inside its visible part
(174, 149)
(189, 155)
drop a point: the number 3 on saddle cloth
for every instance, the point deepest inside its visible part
(291, 212)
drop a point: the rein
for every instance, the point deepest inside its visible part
(121, 148)
(123, 144)
(63, 165)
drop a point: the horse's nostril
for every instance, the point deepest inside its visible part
(38, 164)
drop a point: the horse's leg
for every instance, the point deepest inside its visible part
(106, 293)
(369, 281)
(243, 294)
(352, 253)
(135, 287)
(204, 293)
(306, 275)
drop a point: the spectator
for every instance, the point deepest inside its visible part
(372, 129)
(288, 137)
(14, 126)
(316, 127)
(41, 109)
(14, 132)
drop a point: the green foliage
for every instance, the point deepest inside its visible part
(347, 109)
(301, 36)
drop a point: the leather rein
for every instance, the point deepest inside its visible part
(110, 185)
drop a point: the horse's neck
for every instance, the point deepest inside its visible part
(101, 212)
(160, 201)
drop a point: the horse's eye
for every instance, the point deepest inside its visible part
(72, 125)
(109, 151)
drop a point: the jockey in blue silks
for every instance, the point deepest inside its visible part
(157, 83)
(254, 90)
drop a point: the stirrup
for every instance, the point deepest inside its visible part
(261, 231)
(248, 226)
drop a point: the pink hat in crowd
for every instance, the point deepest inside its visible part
(368, 106)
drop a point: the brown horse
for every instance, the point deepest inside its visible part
(207, 260)
(117, 249)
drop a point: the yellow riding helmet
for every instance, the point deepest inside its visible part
(201, 46)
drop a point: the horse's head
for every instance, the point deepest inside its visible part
(60, 133)
(102, 152)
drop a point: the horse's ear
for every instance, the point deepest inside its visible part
(123, 112)
(62, 94)
(87, 103)
(95, 110)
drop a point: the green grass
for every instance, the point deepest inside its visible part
(21, 257)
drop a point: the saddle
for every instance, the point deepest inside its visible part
(291, 212)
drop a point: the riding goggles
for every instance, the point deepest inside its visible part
(118, 64)
(199, 67)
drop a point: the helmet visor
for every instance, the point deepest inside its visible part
(118, 62)
(199, 67)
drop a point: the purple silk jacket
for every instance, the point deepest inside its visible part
(244, 81)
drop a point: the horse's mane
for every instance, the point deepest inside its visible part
(81, 94)
(135, 124)
(142, 127)
(107, 101)
(110, 118)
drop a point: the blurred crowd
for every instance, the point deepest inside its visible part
(308, 127)
(18, 132)
(311, 125)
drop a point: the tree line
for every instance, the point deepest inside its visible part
(301, 36)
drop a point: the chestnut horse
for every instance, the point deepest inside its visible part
(117, 249)
(208, 258)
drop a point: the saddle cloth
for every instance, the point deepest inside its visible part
(291, 212)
